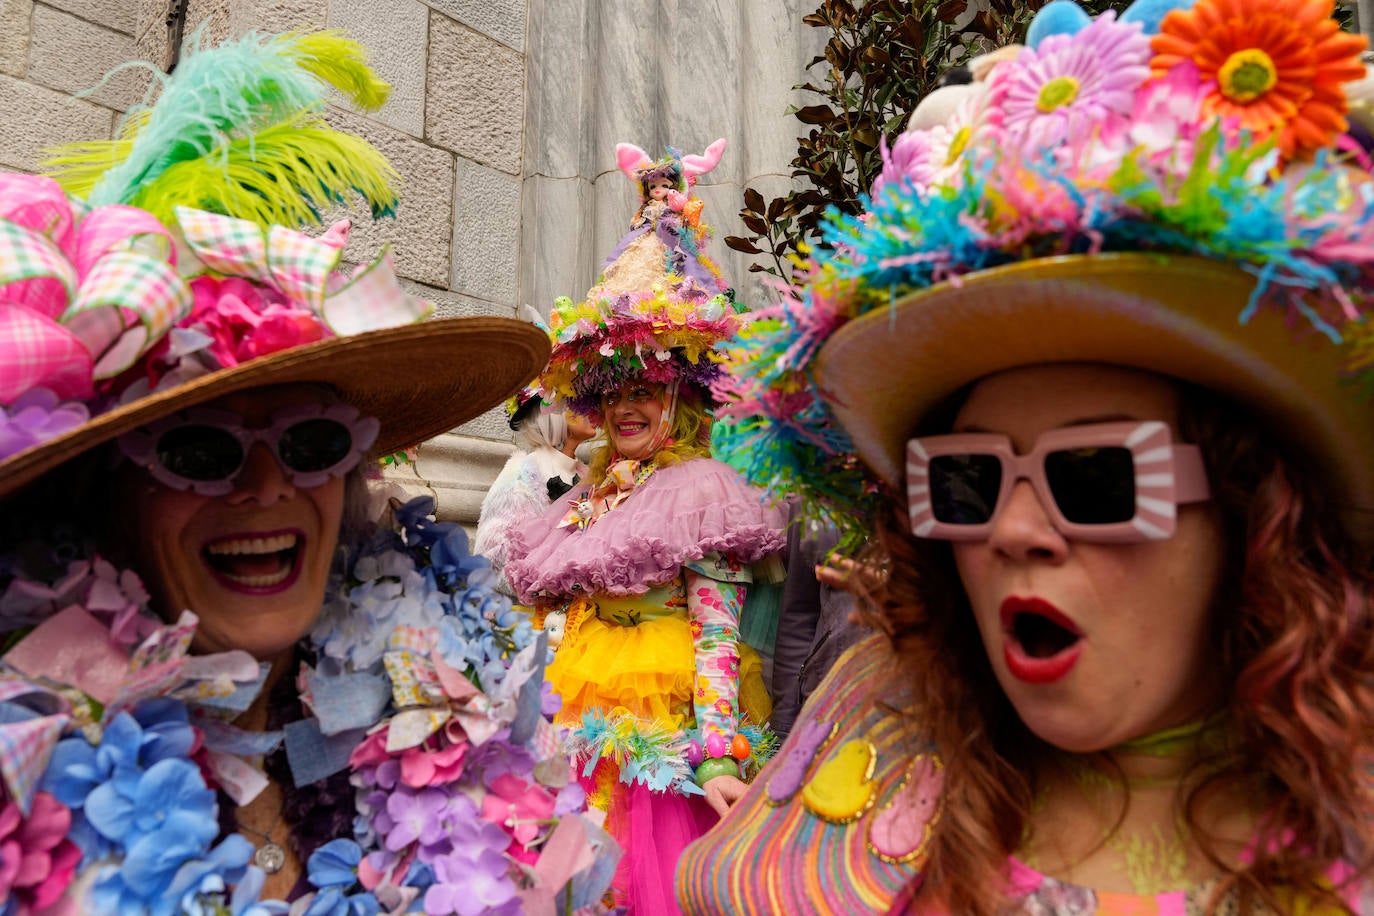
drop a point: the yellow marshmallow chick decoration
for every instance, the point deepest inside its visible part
(843, 787)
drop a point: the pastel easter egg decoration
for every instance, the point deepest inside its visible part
(900, 832)
(739, 748)
(1062, 17)
(1150, 13)
(716, 746)
(791, 770)
(712, 767)
(694, 753)
(843, 787)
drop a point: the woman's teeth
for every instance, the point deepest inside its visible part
(232, 546)
(259, 562)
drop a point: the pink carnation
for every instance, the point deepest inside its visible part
(432, 765)
(243, 324)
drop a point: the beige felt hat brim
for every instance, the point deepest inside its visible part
(1177, 316)
(419, 380)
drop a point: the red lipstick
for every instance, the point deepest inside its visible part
(1039, 668)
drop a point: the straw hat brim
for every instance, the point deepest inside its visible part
(419, 380)
(1173, 315)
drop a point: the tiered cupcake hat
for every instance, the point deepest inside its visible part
(670, 323)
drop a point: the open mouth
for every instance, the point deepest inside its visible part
(1041, 637)
(629, 430)
(1041, 643)
(257, 563)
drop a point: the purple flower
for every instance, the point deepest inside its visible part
(418, 815)
(572, 799)
(118, 598)
(36, 416)
(468, 885)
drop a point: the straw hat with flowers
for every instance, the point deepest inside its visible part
(127, 292)
(1172, 190)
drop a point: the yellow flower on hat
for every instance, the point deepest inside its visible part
(1278, 66)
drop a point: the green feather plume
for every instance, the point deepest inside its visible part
(238, 129)
(318, 164)
(342, 63)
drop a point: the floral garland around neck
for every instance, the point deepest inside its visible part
(113, 739)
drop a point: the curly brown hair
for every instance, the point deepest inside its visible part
(1295, 647)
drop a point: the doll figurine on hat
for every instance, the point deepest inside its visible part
(667, 239)
(1090, 382)
(657, 553)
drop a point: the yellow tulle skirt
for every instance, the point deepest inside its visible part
(647, 670)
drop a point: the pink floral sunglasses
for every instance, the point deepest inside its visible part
(204, 449)
(1104, 482)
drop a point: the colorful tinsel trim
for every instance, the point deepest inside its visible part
(654, 754)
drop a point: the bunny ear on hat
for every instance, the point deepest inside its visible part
(692, 166)
(630, 158)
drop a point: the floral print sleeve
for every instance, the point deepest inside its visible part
(713, 609)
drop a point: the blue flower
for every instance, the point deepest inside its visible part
(449, 555)
(177, 875)
(168, 803)
(200, 886)
(334, 902)
(167, 730)
(335, 864)
(415, 519)
(79, 770)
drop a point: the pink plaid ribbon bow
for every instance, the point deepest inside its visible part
(28, 735)
(83, 294)
(304, 270)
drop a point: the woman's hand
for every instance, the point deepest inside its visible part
(723, 791)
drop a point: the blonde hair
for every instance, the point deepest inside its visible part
(690, 437)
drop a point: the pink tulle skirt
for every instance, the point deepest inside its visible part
(653, 828)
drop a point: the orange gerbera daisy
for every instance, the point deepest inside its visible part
(1279, 66)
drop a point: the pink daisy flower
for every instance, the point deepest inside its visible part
(1072, 85)
(934, 155)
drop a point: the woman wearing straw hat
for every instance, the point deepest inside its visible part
(649, 564)
(220, 678)
(1098, 345)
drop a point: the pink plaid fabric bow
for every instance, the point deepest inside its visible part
(82, 294)
(27, 740)
(303, 269)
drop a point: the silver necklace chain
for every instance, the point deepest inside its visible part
(269, 856)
